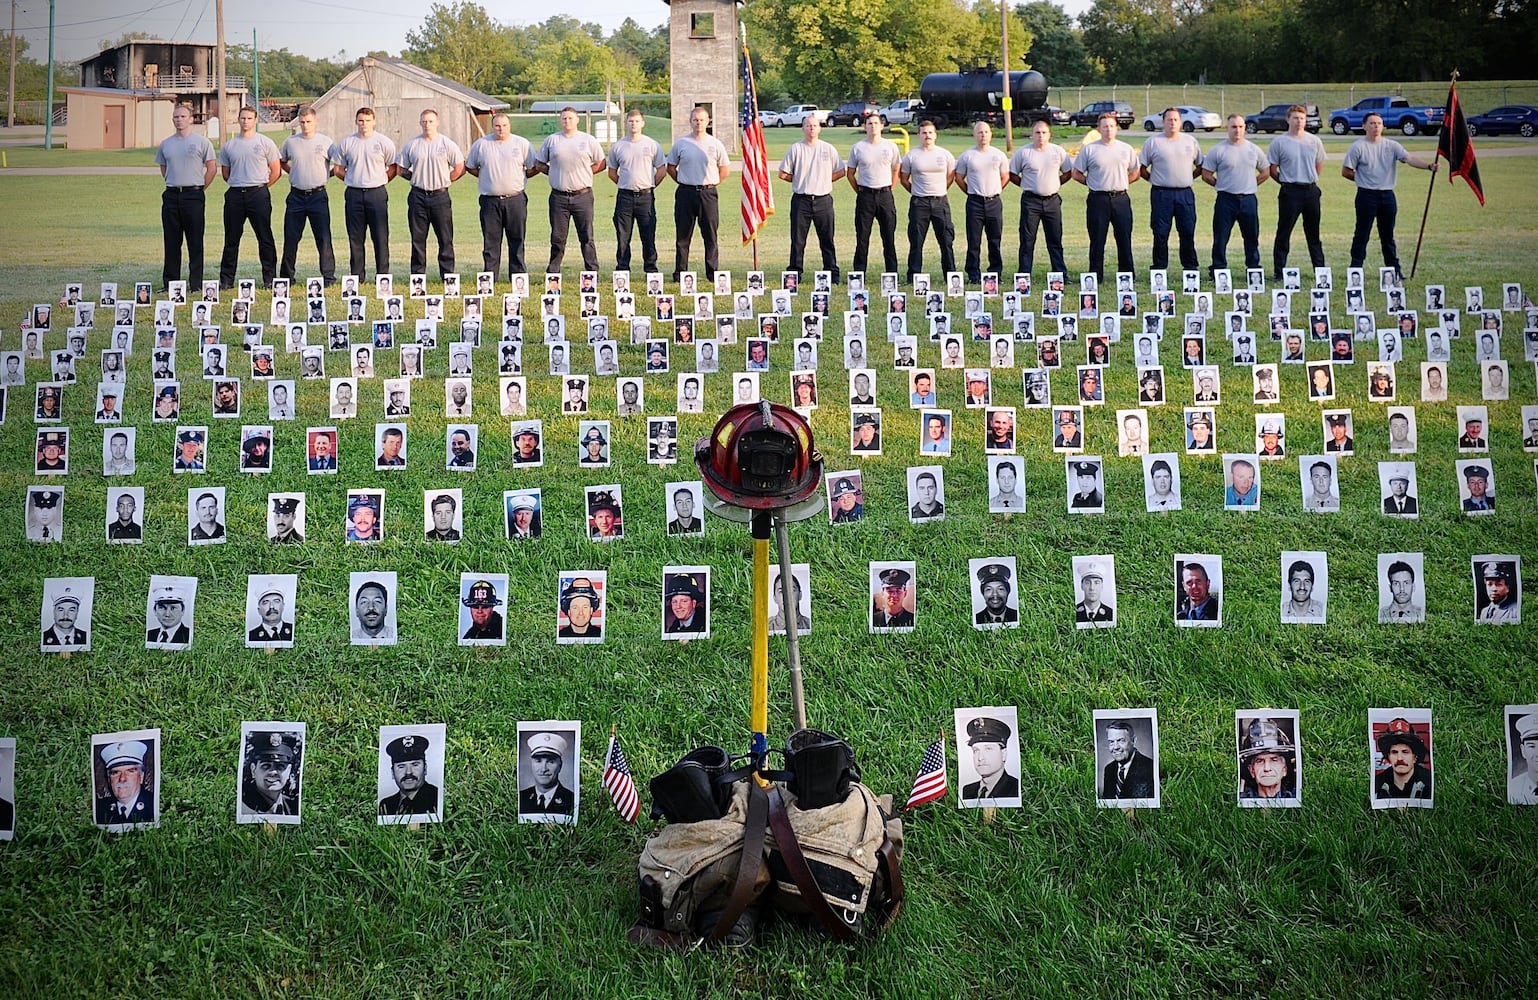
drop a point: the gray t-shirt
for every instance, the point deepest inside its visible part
(926, 170)
(1106, 167)
(249, 160)
(637, 161)
(503, 165)
(811, 167)
(185, 159)
(308, 160)
(431, 161)
(1295, 159)
(1235, 164)
(1040, 170)
(367, 161)
(1376, 163)
(983, 170)
(699, 161)
(874, 163)
(571, 159)
(1170, 161)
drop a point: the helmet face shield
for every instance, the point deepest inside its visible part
(761, 457)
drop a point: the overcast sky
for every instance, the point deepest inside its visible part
(316, 28)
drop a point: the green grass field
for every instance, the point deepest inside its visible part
(1058, 898)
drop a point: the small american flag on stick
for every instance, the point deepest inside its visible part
(619, 781)
(930, 783)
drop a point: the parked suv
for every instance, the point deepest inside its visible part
(1088, 115)
(1273, 118)
(854, 113)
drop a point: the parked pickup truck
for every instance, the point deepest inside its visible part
(902, 112)
(1397, 113)
(798, 113)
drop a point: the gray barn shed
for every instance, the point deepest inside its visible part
(399, 92)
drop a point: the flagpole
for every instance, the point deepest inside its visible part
(1430, 186)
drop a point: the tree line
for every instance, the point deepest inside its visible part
(836, 50)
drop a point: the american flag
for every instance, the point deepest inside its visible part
(757, 197)
(930, 783)
(618, 780)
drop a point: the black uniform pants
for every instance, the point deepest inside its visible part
(367, 211)
(985, 215)
(635, 210)
(696, 204)
(567, 207)
(1045, 212)
(924, 212)
(314, 207)
(503, 215)
(251, 204)
(435, 209)
(1111, 210)
(1293, 201)
(181, 218)
(875, 205)
(807, 211)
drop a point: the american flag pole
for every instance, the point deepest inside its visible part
(619, 781)
(757, 196)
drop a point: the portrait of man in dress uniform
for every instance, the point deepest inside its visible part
(126, 779)
(1522, 753)
(993, 596)
(410, 758)
(1498, 589)
(547, 761)
(893, 602)
(991, 751)
(170, 612)
(66, 606)
(270, 771)
(269, 603)
(1096, 586)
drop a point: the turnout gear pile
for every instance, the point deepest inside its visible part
(815, 842)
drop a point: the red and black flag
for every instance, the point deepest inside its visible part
(1454, 146)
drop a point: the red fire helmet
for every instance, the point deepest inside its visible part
(761, 457)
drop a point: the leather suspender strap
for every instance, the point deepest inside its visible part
(795, 863)
(748, 868)
(891, 867)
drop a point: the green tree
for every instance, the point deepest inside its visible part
(814, 51)
(1057, 51)
(647, 49)
(32, 76)
(1135, 40)
(576, 64)
(286, 76)
(462, 42)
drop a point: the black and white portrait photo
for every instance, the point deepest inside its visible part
(125, 515)
(65, 621)
(118, 451)
(1270, 758)
(1094, 591)
(1401, 588)
(205, 516)
(7, 788)
(271, 773)
(125, 780)
(1397, 489)
(987, 757)
(1521, 755)
(549, 789)
(801, 599)
(995, 592)
(1127, 758)
(1083, 485)
(411, 774)
(1305, 587)
(893, 596)
(1497, 589)
(1317, 475)
(169, 612)
(271, 600)
(926, 493)
(371, 608)
(1161, 482)
(684, 508)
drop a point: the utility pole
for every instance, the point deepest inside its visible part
(219, 69)
(10, 96)
(48, 108)
(1007, 102)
